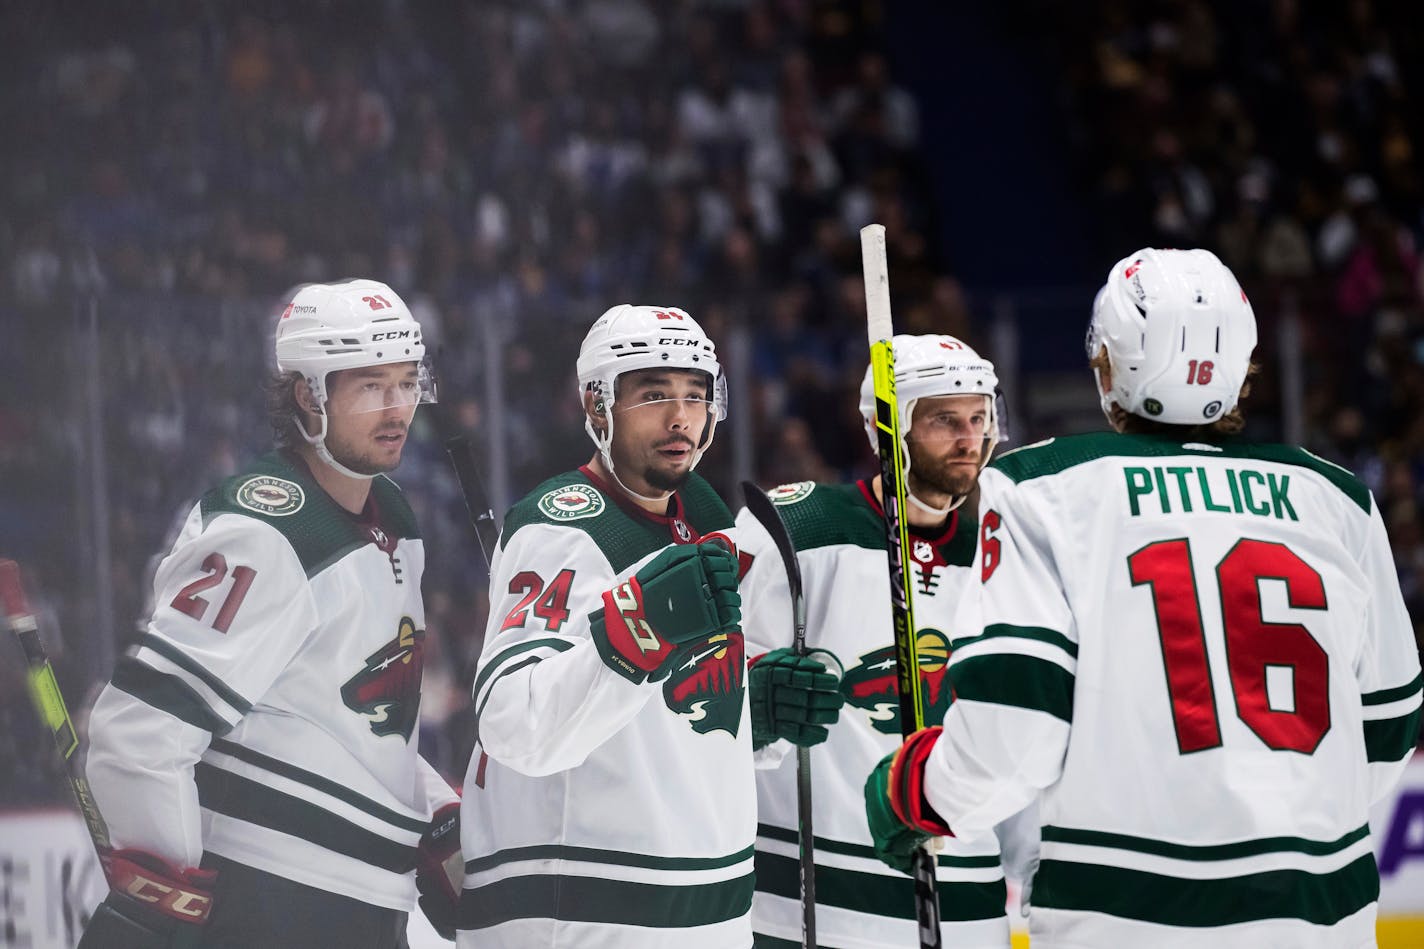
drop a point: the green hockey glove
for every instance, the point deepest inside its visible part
(683, 595)
(900, 817)
(793, 697)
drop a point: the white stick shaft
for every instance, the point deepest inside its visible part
(877, 282)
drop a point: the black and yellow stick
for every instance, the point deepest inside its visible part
(897, 537)
(44, 690)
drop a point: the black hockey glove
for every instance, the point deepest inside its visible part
(440, 871)
(682, 596)
(151, 904)
(793, 697)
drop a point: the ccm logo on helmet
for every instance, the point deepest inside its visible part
(677, 341)
(393, 334)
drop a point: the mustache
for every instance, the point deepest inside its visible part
(674, 441)
(394, 429)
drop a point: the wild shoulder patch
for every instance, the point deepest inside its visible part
(572, 502)
(275, 497)
(791, 493)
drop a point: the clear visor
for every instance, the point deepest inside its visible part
(380, 388)
(690, 404)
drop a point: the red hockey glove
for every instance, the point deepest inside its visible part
(440, 870)
(151, 905)
(682, 596)
(900, 816)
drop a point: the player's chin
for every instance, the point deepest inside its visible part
(668, 475)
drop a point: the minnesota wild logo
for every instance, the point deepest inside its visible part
(275, 497)
(707, 686)
(572, 502)
(871, 684)
(386, 692)
(791, 493)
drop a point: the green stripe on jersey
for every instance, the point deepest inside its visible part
(847, 849)
(620, 858)
(493, 665)
(1244, 848)
(181, 659)
(167, 693)
(339, 791)
(1391, 739)
(1385, 696)
(1021, 681)
(226, 793)
(596, 900)
(1322, 899)
(1059, 454)
(1039, 633)
(877, 894)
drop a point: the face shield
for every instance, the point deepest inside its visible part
(368, 389)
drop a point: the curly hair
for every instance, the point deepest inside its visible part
(283, 409)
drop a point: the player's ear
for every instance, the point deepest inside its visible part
(306, 399)
(593, 406)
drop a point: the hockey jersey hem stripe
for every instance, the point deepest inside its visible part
(1386, 696)
(595, 900)
(243, 799)
(1391, 739)
(595, 855)
(845, 848)
(186, 662)
(167, 693)
(1021, 681)
(319, 783)
(1163, 848)
(878, 894)
(1039, 633)
(1322, 899)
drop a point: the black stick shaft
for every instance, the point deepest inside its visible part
(769, 517)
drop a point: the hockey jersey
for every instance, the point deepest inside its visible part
(268, 714)
(598, 812)
(839, 535)
(1200, 651)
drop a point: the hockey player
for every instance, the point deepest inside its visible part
(1194, 644)
(950, 427)
(255, 754)
(611, 802)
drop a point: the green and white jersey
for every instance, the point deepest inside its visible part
(599, 813)
(268, 714)
(1201, 654)
(839, 534)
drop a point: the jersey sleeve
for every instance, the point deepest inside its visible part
(544, 699)
(231, 607)
(1391, 688)
(432, 788)
(1012, 668)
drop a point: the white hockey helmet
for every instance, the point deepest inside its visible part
(935, 365)
(1179, 333)
(327, 327)
(626, 338)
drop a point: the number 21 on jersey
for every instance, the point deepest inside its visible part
(215, 569)
(1254, 647)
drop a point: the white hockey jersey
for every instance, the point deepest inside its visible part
(1200, 651)
(599, 813)
(839, 535)
(268, 714)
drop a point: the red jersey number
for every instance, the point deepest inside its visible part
(552, 607)
(214, 566)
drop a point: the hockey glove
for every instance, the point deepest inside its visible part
(900, 817)
(440, 870)
(793, 697)
(681, 597)
(151, 904)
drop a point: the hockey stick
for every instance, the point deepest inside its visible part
(44, 691)
(472, 490)
(897, 538)
(770, 518)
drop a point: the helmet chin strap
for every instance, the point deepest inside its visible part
(318, 444)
